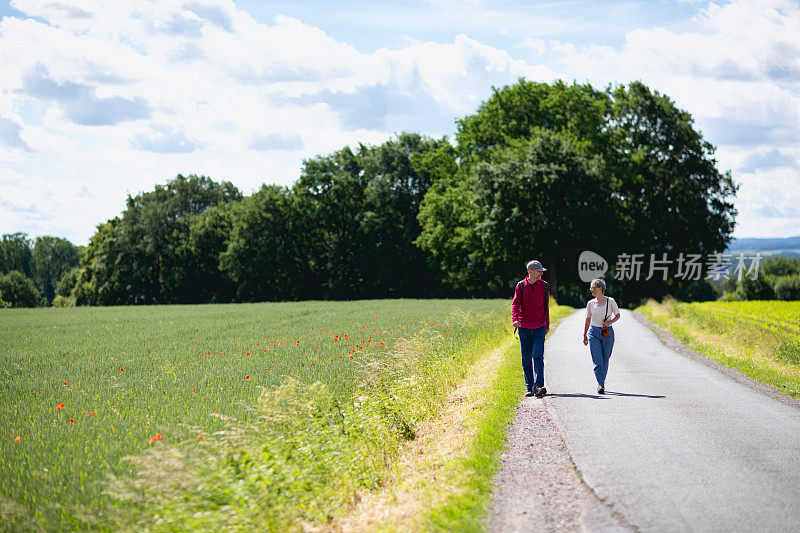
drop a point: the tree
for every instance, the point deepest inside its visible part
(15, 254)
(267, 255)
(363, 210)
(18, 290)
(52, 257)
(139, 258)
(542, 198)
(674, 197)
(658, 173)
(780, 266)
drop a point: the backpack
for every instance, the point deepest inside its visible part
(521, 286)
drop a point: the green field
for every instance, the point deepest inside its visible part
(82, 388)
(759, 338)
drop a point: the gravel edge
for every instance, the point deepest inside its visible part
(538, 487)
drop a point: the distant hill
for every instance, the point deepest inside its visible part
(787, 247)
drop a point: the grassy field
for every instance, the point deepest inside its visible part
(761, 339)
(81, 389)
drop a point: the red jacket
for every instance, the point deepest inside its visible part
(533, 313)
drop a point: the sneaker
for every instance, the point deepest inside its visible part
(601, 389)
(540, 391)
(529, 392)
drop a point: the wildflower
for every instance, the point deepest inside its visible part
(71, 420)
(121, 369)
(91, 413)
(65, 383)
(59, 407)
(247, 377)
(248, 353)
(18, 439)
(199, 436)
(192, 390)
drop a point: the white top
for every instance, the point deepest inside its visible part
(598, 313)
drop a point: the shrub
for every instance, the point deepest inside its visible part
(756, 289)
(788, 288)
(62, 301)
(18, 290)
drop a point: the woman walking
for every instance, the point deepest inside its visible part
(601, 312)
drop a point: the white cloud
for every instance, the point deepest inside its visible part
(123, 95)
(738, 72)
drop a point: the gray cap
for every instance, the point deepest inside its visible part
(536, 265)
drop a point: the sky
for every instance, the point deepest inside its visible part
(101, 100)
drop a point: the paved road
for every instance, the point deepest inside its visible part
(674, 445)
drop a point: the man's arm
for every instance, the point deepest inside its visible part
(516, 310)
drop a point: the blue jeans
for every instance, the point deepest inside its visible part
(600, 347)
(531, 343)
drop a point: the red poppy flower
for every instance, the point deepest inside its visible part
(247, 377)
(59, 407)
(71, 420)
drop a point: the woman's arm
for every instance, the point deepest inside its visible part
(586, 328)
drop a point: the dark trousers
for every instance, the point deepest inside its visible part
(531, 343)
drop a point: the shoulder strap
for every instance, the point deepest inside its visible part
(608, 304)
(521, 286)
(546, 294)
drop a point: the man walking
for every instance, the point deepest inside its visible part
(530, 314)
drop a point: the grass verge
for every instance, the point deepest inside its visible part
(767, 355)
(445, 477)
(464, 507)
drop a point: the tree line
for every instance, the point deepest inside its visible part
(538, 171)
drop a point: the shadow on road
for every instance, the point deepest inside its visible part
(609, 393)
(601, 397)
(576, 395)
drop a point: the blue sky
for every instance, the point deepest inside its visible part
(100, 101)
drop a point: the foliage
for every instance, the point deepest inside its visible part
(539, 195)
(780, 266)
(659, 177)
(362, 218)
(52, 258)
(788, 287)
(68, 281)
(756, 289)
(18, 290)
(141, 257)
(15, 254)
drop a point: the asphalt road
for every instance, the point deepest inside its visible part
(673, 445)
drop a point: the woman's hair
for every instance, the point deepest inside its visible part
(599, 283)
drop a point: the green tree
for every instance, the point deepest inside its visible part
(363, 209)
(52, 257)
(15, 254)
(658, 174)
(788, 287)
(267, 255)
(540, 197)
(18, 290)
(68, 281)
(140, 258)
(780, 266)
(101, 268)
